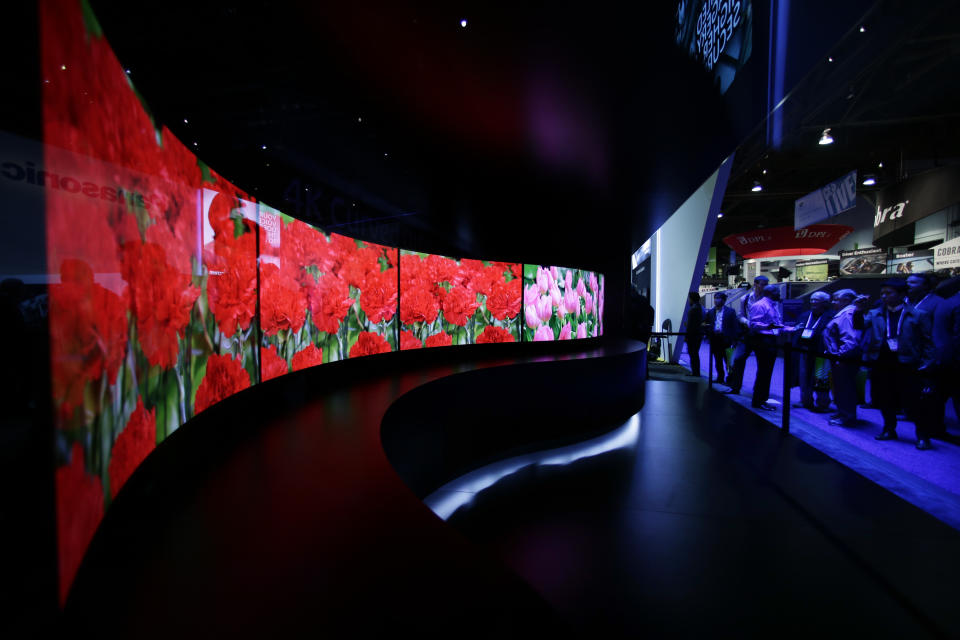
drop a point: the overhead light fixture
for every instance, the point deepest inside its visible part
(880, 165)
(825, 137)
(720, 215)
(764, 172)
(830, 59)
(756, 186)
(463, 23)
(869, 180)
(863, 29)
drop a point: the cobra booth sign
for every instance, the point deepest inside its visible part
(947, 255)
(787, 241)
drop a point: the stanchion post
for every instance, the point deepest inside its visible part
(710, 366)
(785, 420)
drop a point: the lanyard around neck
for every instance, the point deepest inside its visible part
(903, 312)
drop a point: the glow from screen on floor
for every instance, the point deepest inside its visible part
(457, 493)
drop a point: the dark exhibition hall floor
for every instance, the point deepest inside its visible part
(709, 521)
(693, 517)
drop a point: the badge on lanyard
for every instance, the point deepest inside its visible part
(807, 334)
(892, 343)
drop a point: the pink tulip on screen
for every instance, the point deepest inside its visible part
(555, 296)
(530, 313)
(569, 279)
(594, 285)
(571, 301)
(588, 303)
(544, 308)
(543, 279)
(582, 330)
(554, 273)
(530, 294)
(581, 288)
(593, 334)
(565, 332)
(543, 334)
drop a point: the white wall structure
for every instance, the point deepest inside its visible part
(679, 252)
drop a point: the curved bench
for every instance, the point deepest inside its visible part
(280, 511)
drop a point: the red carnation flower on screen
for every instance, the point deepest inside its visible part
(79, 511)
(368, 344)
(219, 212)
(330, 302)
(441, 269)
(232, 285)
(378, 299)
(133, 444)
(161, 299)
(439, 340)
(272, 365)
(358, 264)
(88, 334)
(225, 377)
(459, 305)
(504, 299)
(411, 269)
(494, 333)
(283, 304)
(309, 357)
(409, 341)
(418, 305)
(302, 245)
(487, 279)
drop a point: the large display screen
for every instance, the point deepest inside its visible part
(323, 297)
(152, 262)
(561, 303)
(447, 302)
(171, 290)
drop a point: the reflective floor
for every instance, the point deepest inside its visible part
(927, 479)
(714, 523)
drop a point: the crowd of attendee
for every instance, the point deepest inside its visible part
(908, 342)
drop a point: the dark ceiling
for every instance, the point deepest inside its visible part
(890, 95)
(536, 132)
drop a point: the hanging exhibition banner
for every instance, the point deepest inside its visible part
(786, 241)
(861, 262)
(812, 270)
(826, 202)
(907, 262)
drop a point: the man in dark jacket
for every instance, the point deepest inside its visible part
(746, 346)
(946, 342)
(723, 330)
(694, 331)
(900, 348)
(813, 363)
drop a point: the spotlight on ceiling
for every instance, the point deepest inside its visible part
(463, 23)
(720, 215)
(825, 137)
(756, 186)
(869, 180)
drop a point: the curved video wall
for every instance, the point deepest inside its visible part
(171, 289)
